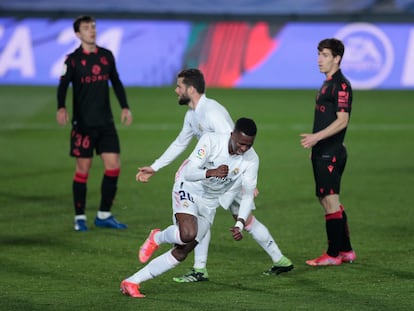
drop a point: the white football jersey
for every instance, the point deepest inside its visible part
(208, 117)
(211, 152)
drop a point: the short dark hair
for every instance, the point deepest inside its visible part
(336, 46)
(193, 77)
(246, 126)
(82, 19)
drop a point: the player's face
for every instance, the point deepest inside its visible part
(240, 142)
(87, 32)
(182, 91)
(328, 64)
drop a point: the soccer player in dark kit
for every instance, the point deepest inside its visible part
(90, 68)
(332, 112)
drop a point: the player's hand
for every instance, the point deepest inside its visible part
(126, 116)
(308, 140)
(62, 116)
(256, 192)
(144, 174)
(237, 233)
(219, 172)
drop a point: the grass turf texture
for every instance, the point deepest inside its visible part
(45, 265)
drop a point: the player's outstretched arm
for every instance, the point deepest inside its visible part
(144, 173)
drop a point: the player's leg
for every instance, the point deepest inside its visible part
(183, 230)
(159, 265)
(108, 148)
(263, 237)
(79, 190)
(199, 271)
(327, 173)
(187, 233)
(81, 147)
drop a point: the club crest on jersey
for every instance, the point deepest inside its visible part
(96, 69)
(235, 171)
(201, 153)
(185, 204)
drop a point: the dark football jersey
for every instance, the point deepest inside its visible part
(90, 74)
(334, 96)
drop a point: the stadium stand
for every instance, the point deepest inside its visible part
(213, 7)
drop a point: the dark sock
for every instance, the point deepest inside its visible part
(346, 241)
(108, 189)
(79, 192)
(334, 229)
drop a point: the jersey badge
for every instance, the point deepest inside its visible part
(104, 61)
(201, 153)
(236, 171)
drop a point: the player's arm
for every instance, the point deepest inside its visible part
(119, 89)
(170, 154)
(195, 168)
(341, 122)
(62, 116)
(249, 182)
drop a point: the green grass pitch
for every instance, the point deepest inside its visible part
(46, 266)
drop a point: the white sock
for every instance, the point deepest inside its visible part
(80, 217)
(170, 235)
(103, 215)
(201, 252)
(154, 268)
(262, 236)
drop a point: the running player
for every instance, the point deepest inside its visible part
(220, 165)
(203, 116)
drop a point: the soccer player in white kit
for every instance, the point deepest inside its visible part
(203, 116)
(218, 170)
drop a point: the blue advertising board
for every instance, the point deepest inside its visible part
(231, 54)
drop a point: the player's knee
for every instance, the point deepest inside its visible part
(188, 235)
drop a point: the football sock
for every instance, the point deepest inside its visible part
(263, 237)
(80, 217)
(334, 230)
(108, 189)
(170, 235)
(346, 241)
(103, 215)
(79, 192)
(201, 252)
(154, 268)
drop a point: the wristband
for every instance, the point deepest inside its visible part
(240, 225)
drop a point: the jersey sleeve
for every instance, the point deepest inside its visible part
(176, 147)
(195, 169)
(343, 97)
(249, 182)
(65, 79)
(117, 83)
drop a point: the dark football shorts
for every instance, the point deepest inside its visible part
(327, 171)
(83, 142)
